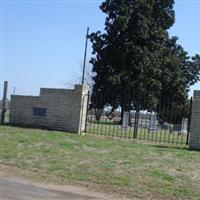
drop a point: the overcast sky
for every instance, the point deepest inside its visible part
(42, 42)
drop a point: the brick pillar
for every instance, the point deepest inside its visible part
(84, 107)
(194, 143)
(80, 108)
(4, 102)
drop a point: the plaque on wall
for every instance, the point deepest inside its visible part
(40, 112)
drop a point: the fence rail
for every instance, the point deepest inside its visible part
(167, 122)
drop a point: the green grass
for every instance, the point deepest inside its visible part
(130, 168)
(113, 130)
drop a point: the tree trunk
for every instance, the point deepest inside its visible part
(98, 113)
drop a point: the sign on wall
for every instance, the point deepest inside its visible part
(40, 112)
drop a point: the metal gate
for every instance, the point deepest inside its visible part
(132, 116)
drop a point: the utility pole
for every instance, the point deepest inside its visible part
(4, 106)
(85, 55)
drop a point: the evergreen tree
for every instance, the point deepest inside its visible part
(135, 53)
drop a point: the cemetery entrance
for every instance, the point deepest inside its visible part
(140, 114)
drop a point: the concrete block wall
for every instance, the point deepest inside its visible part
(194, 143)
(65, 109)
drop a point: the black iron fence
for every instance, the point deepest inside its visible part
(140, 115)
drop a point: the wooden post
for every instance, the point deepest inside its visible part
(4, 105)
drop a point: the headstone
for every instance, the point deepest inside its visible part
(153, 123)
(125, 121)
(184, 125)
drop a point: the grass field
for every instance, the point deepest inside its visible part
(130, 168)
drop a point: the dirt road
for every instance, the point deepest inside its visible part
(19, 189)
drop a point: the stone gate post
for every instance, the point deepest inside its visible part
(194, 143)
